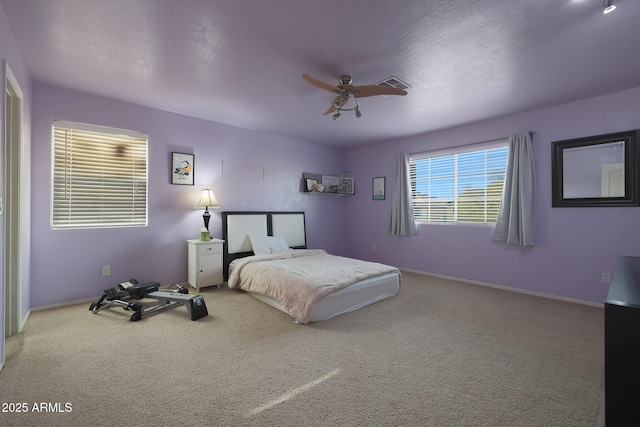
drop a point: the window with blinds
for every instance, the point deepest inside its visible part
(99, 177)
(461, 185)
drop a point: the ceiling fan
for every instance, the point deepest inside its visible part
(345, 90)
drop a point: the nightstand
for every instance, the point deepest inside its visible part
(205, 263)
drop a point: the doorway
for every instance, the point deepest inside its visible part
(12, 169)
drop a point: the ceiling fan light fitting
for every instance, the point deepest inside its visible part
(345, 79)
(608, 7)
(345, 92)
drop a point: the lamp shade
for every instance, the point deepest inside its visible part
(207, 199)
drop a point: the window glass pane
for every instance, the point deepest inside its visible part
(459, 187)
(99, 177)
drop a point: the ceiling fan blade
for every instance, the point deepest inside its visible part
(323, 85)
(373, 90)
(329, 111)
(336, 101)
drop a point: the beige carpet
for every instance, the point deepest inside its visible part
(441, 353)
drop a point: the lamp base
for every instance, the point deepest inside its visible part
(206, 217)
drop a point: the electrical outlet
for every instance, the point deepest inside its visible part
(606, 278)
(106, 270)
(373, 248)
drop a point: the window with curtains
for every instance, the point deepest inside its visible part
(459, 185)
(99, 177)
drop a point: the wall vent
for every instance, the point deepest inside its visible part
(394, 82)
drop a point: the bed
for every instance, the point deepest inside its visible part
(265, 254)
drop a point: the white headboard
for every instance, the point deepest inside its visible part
(289, 225)
(238, 226)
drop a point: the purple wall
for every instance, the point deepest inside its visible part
(574, 245)
(260, 172)
(263, 172)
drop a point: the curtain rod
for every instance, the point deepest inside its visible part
(492, 140)
(466, 145)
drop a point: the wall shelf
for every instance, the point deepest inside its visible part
(339, 185)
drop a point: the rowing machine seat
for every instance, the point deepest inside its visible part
(139, 291)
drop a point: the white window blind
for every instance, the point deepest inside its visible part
(99, 177)
(460, 185)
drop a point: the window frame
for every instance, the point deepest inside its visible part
(126, 207)
(498, 144)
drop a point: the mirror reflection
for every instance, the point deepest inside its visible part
(594, 171)
(599, 170)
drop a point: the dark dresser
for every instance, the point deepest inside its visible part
(622, 344)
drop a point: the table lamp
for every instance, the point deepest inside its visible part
(207, 199)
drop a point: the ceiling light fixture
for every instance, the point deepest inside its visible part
(346, 91)
(608, 7)
(339, 110)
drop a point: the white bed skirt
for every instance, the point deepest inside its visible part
(351, 298)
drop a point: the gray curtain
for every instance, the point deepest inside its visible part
(516, 224)
(402, 221)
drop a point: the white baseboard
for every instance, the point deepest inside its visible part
(84, 301)
(24, 320)
(424, 273)
(505, 288)
(63, 304)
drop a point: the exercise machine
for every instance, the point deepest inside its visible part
(128, 293)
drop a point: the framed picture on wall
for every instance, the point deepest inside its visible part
(182, 168)
(379, 189)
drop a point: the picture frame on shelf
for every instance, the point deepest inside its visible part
(347, 184)
(330, 183)
(379, 188)
(182, 168)
(311, 184)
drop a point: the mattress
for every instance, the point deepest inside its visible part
(354, 297)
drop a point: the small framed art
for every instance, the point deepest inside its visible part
(346, 184)
(182, 168)
(312, 184)
(379, 184)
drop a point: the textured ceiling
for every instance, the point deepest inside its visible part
(240, 62)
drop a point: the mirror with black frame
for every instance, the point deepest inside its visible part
(599, 170)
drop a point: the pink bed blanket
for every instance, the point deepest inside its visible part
(300, 278)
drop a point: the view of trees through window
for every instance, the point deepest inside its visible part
(464, 187)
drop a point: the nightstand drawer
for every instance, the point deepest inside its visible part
(204, 250)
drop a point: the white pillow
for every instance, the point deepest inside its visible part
(264, 245)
